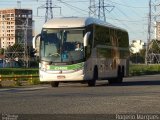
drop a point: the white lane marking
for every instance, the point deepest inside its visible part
(23, 89)
(33, 88)
(2, 89)
(144, 98)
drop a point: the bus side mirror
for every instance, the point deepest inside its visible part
(85, 39)
(34, 40)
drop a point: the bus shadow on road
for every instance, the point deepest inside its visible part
(138, 83)
(125, 83)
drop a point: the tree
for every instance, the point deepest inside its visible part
(137, 52)
(137, 58)
(155, 46)
(1, 51)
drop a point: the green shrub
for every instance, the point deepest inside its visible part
(18, 71)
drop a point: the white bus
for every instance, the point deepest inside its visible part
(102, 54)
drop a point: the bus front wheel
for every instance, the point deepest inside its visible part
(92, 82)
(54, 84)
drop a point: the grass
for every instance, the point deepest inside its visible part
(142, 69)
(134, 69)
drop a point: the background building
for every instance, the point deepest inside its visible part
(15, 27)
(158, 31)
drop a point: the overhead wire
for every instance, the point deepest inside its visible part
(74, 7)
(137, 22)
(128, 5)
(130, 29)
(69, 4)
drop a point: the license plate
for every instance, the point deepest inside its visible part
(61, 77)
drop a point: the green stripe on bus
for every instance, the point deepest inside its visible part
(66, 67)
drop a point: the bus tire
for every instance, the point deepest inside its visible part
(119, 78)
(92, 82)
(123, 71)
(55, 84)
(112, 80)
(120, 74)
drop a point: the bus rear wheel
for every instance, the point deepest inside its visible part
(120, 75)
(91, 83)
(119, 78)
(55, 84)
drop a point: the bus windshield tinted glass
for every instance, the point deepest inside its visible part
(61, 45)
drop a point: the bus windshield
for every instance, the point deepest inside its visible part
(62, 45)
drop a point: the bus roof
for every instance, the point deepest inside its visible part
(75, 22)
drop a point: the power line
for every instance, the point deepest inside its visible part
(135, 21)
(128, 17)
(75, 1)
(72, 6)
(127, 5)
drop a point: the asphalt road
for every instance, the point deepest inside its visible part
(135, 95)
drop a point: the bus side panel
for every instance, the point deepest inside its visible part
(111, 51)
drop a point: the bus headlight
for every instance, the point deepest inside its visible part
(44, 66)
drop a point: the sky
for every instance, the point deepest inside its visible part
(131, 15)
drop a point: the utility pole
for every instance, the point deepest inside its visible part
(23, 35)
(26, 54)
(101, 7)
(149, 32)
(101, 10)
(151, 56)
(18, 4)
(49, 12)
(16, 36)
(92, 9)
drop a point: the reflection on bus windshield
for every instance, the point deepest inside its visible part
(62, 46)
